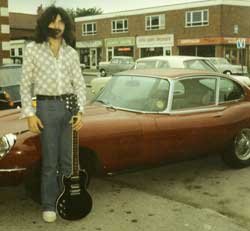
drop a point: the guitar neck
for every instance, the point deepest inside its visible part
(75, 152)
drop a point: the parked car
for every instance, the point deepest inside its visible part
(187, 62)
(10, 76)
(143, 118)
(116, 64)
(224, 66)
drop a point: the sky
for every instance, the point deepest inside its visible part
(107, 6)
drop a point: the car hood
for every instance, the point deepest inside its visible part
(94, 115)
(93, 112)
(10, 122)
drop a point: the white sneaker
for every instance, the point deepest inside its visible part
(49, 216)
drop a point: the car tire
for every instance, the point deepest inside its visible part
(238, 153)
(103, 73)
(227, 72)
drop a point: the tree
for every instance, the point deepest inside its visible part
(78, 12)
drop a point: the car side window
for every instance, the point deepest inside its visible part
(193, 92)
(115, 61)
(229, 91)
(124, 61)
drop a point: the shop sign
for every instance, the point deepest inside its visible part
(89, 44)
(119, 42)
(241, 43)
(155, 40)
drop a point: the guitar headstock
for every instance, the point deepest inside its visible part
(71, 104)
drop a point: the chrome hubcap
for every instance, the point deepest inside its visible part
(242, 144)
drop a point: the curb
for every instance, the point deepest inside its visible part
(90, 73)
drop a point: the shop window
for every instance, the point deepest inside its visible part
(151, 51)
(196, 18)
(89, 29)
(119, 26)
(155, 22)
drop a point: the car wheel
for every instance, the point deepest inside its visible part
(238, 156)
(103, 73)
(227, 72)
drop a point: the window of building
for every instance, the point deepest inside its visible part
(12, 52)
(20, 51)
(196, 18)
(89, 29)
(155, 22)
(119, 26)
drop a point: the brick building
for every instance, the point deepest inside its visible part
(4, 33)
(22, 28)
(203, 28)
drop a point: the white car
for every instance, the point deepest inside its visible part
(186, 62)
(226, 67)
(189, 62)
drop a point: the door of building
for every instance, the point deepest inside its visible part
(93, 58)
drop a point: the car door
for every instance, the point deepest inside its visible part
(194, 126)
(112, 67)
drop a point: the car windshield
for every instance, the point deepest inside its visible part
(199, 64)
(139, 93)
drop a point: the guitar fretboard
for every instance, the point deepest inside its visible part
(75, 151)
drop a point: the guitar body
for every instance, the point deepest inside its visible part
(75, 202)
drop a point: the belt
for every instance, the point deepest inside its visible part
(52, 97)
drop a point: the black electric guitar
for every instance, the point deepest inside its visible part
(74, 202)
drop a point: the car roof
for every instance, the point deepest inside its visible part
(172, 57)
(169, 72)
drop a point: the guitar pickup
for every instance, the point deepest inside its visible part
(74, 186)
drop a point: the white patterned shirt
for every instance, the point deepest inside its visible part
(50, 75)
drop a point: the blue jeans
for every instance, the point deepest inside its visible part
(56, 142)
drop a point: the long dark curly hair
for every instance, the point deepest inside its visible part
(48, 16)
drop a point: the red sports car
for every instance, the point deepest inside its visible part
(143, 118)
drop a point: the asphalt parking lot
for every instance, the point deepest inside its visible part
(193, 195)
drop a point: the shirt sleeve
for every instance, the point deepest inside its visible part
(26, 83)
(78, 82)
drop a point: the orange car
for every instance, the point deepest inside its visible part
(143, 118)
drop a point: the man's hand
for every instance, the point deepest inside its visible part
(34, 124)
(78, 123)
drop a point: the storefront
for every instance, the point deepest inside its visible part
(119, 47)
(215, 47)
(90, 53)
(155, 45)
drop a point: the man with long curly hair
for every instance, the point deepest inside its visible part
(51, 66)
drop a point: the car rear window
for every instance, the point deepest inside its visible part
(198, 64)
(146, 64)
